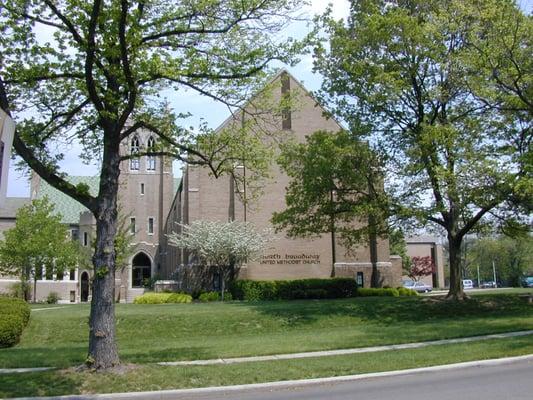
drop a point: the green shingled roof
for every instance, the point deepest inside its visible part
(69, 208)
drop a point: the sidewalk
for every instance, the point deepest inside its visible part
(311, 354)
(326, 353)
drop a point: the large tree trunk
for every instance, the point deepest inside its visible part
(456, 289)
(103, 352)
(375, 279)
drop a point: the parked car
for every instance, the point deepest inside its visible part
(468, 284)
(487, 285)
(528, 281)
(420, 287)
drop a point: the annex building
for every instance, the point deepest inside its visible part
(153, 203)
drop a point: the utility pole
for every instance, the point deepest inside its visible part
(494, 274)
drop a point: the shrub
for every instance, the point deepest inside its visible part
(228, 296)
(294, 289)
(206, 297)
(365, 292)
(407, 292)
(152, 298)
(52, 298)
(179, 298)
(163, 298)
(14, 316)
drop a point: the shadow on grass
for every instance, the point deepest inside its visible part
(25, 357)
(52, 383)
(392, 310)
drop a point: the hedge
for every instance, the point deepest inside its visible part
(295, 289)
(206, 297)
(333, 288)
(162, 298)
(14, 316)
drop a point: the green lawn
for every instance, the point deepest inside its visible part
(150, 333)
(152, 377)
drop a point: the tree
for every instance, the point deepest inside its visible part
(96, 76)
(223, 245)
(511, 257)
(38, 240)
(420, 267)
(402, 73)
(335, 188)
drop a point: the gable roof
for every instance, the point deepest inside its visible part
(276, 76)
(69, 208)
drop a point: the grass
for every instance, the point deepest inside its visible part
(150, 333)
(152, 377)
(169, 332)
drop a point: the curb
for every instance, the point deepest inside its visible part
(171, 394)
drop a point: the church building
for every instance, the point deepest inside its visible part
(153, 204)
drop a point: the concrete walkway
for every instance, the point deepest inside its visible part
(310, 354)
(327, 353)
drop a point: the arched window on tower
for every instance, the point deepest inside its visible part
(150, 166)
(134, 149)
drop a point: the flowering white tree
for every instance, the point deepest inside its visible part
(224, 245)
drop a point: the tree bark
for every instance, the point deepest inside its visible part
(456, 289)
(332, 232)
(103, 352)
(375, 280)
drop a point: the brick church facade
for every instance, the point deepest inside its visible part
(154, 203)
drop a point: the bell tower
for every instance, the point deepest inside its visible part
(145, 195)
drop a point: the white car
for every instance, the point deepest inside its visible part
(468, 284)
(420, 287)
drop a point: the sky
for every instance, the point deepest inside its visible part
(200, 107)
(205, 109)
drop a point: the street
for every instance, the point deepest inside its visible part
(500, 382)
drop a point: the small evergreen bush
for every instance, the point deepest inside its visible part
(52, 298)
(14, 316)
(163, 298)
(206, 297)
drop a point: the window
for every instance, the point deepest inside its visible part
(142, 188)
(151, 159)
(85, 239)
(134, 149)
(75, 235)
(72, 275)
(360, 280)
(49, 272)
(132, 226)
(150, 226)
(60, 275)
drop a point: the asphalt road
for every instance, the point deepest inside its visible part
(501, 382)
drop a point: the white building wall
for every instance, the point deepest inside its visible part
(7, 129)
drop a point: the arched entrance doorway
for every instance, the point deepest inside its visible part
(84, 289)
(141, 270)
